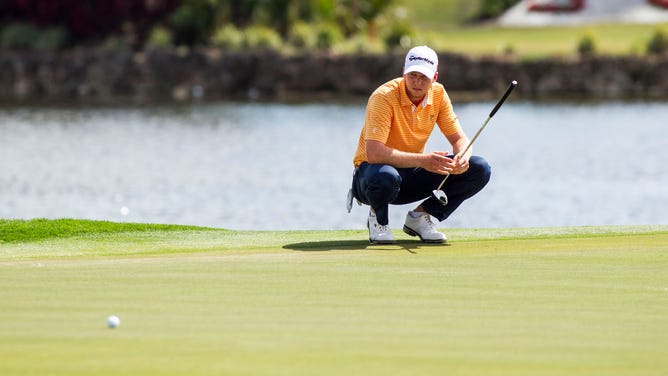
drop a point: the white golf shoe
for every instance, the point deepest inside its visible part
(423, 227)
(379, 234)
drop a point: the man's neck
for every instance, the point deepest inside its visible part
(416, 101)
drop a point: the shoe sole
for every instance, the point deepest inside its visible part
(381, 241)
(411, 232)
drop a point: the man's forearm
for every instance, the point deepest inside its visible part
(459, 147)
(379, 153)
(402, 159)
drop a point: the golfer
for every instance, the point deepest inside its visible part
(391, 166)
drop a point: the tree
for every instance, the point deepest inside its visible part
(91, 20)
(493, 8)
(190, 22)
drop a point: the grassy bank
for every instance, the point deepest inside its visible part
(615, 40)
(554, 301)
(445, 27)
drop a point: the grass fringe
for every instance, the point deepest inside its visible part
(20, 231)
(26, 231)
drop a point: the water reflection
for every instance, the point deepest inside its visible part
(280, 166)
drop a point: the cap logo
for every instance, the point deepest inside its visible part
(412, 57)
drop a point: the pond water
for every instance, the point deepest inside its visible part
(271, 166)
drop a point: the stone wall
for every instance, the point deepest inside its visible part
(104, 76)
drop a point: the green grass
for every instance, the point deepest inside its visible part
(444, 27)
(541, 42)
(549, 301)
(444, 14)
(39, 229)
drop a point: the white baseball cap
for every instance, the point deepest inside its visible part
(421, 59)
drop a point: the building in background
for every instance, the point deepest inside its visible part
(577, 12)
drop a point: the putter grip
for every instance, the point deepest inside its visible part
(503, 99)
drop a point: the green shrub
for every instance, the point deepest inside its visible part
(327, 36)
(400, 34)
(262, 37)
(488, 9)
(192, 22)
(658, 43)
(228, 37)
(323, 36)
(508, 49)
(360, 43)
(51, 39)
(19, 36)
(302, 35)
(159, 37)
(26, 36)
(586, 45)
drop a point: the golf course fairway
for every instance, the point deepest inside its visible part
(543, 301)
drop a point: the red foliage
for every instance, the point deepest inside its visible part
(87, 19)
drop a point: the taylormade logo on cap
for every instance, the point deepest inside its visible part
(421, 59)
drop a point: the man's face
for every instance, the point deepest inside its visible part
(417, 84)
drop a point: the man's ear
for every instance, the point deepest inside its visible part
(435, 77)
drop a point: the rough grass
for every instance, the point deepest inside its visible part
(563, 301)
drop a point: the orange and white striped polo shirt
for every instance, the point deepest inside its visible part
(394, 120)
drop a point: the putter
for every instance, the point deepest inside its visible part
(438, 192)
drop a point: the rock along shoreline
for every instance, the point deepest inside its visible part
(98, 76)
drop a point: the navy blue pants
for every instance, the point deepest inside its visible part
(379, 185)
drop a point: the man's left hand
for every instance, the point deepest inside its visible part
(461, 165)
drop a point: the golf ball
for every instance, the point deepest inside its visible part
(113, 321)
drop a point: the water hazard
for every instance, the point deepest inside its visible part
(288, 166)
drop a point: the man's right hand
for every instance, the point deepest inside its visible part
(438, 162)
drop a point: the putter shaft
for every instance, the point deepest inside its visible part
(491, 114)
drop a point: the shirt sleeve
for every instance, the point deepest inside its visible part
(378, 119)
(447, 120)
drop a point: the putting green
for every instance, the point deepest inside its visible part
(563, 301)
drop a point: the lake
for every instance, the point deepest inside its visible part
(273, 166)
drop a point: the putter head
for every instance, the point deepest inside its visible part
(440, 196)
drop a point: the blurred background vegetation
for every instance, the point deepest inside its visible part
(289, 26)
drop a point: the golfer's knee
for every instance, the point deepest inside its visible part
(482, 170)
(385, 182)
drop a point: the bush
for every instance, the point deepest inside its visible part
(159, 37)
(400, 34)
(19, 36)
(192, 22)
(360, 43)
(586, 46)
(324, 36)
(658, 44)
(508, 49)
(51, 39)
(327, 36)
(488, 9)
(26, 36)
(262, 37)
(302, 35)
(228, 37)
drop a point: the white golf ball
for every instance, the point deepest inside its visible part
(113, 321)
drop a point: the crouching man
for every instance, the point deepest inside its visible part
(391, 165)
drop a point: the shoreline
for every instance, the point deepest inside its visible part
(94, 76)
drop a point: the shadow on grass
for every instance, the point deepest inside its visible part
(347, 245)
